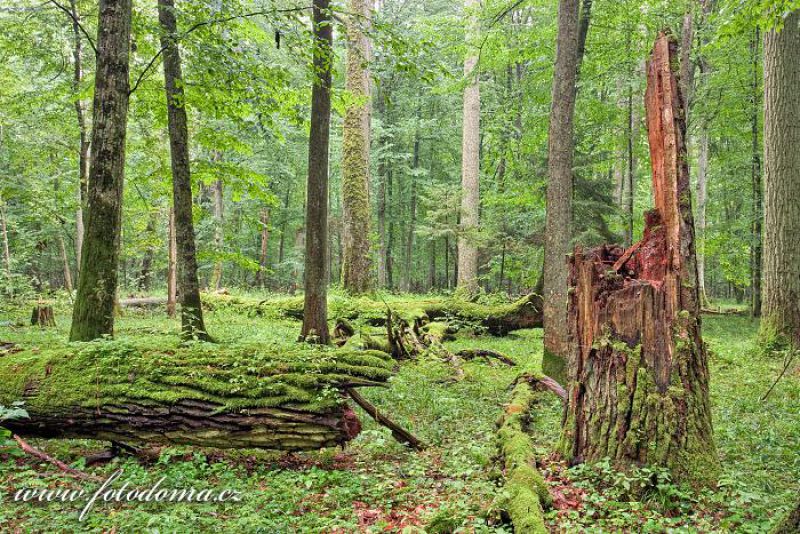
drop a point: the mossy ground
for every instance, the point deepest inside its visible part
(376, 483)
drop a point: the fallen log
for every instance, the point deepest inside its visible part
(471, 354)
(499, 319)
(789, 523)
(525, 492)
(638, 368)
(216, 396)
(143, 302)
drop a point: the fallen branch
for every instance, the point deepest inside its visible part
(544, 383)
(29, 449)
(787, 362)
(399, 433)
(471, 354)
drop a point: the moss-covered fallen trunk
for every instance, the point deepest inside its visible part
(526, 492)
(209, 395)
(498, 319)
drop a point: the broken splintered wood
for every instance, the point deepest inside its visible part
(42, 316)
(638, 372)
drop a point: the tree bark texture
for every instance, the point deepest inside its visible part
(224, 397)
(93, 313)
(262, 257)
(315, 316)
(356, 257)
(638, 390)
(559, 190)
(757, 185)
(172, 266)
(80, 110)
(470, 159)
(192, 324)
(219, 232)
(781, 291)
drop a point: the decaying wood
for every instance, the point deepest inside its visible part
(544, 383)
(399, 433)
(42, 315)
(471, 354)
(638, 372)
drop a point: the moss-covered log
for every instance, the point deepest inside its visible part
(219, 396)
(525, 491)
(789, 523)
(638, 388)
(497, 319)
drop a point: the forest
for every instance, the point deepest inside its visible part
(336, 266)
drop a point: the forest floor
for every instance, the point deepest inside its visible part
(377, 485)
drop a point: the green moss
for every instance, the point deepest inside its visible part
(236, 377)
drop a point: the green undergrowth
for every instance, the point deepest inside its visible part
(377, 485)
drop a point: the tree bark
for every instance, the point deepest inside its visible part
(412, 209)
(639, 375)
(242, 397)
(470, 158)
(80, 110)
(262, 258)
(172, 266)
(315, 316)
(559, 189)
(219, 232)
(65, 262)
(356, 258)
(147, 259)
(93, 313)
(781, 289)
(192, 324)
(4, 232)
(702, 197)
(756, 184)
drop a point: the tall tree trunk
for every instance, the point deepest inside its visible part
(392, 212)
(470, 159)
(559, 190)
(284, 220)
(315, 314)
(409, 256)
(4, 232)
(80, 110)
(93, 313)
(639, 374)
(356, 258)
(147, 259)
(781, 313)
(219, 233)
(702, 196)
(383, 193)
(65, 261)
(756, 184)
(192, 324)
(432, 265)
(172, 266)
(262, 258)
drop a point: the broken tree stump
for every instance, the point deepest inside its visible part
(42, 315)
(638, 389)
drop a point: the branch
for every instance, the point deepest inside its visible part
(77, 22)
(398, 432)
(208, 23)
(58, 463)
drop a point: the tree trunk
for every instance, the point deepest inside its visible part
(781, 290)
(356, 258)
(432, 265)
(315, 316)
(226, 398)
(559, 190)
(470, 158)
(65, 262)
(390, 229)
(4, 232)
(172, 264)
(412, 208)
(93, 313)
(219, 233)
(262, 258)
(147, 259)
(80, 110)
(192, 324)
(702, 179)
(756, 184)
(383, 98)
(284, 221)
(638, 375)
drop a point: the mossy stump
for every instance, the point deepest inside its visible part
(638, 390)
